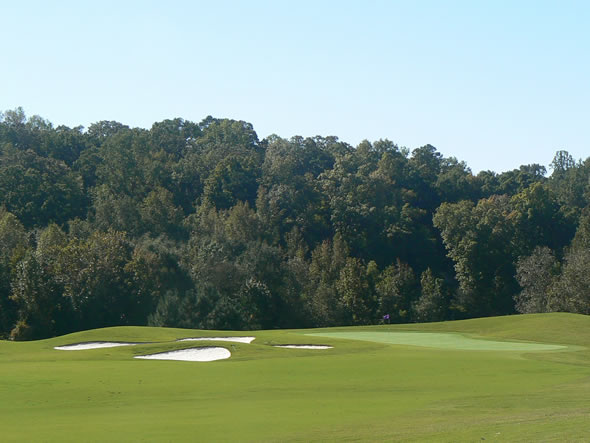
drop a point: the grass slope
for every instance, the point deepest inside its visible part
(360, 390)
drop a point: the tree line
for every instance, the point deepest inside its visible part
(204, 225)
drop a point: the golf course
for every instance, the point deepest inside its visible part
(514, 378)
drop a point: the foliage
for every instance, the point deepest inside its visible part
(536, 275)
(571, 290)
(204, 225)
(433, 303)
(397, 289)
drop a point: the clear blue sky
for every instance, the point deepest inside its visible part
(495, 83)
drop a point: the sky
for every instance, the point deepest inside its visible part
(496, 83)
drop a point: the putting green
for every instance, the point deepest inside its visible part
(441, 340)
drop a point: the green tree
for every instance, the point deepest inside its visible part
(93, 274)
(39, 299)
(517, 180)
(397, 289)
(101, 131)
(42, 310)
(425, 167)
(63, 143)
(121, 166)
(433, 302)
(230, 182)
(455, 182)
(569, 182)
(154, 270)
(581, 239)
(290, 193)
(173, 136)
(370, 203)
(538, 220)
(13, 246)
(536, 275)
(257, 303)
(159, 214)
(571, 291)
(355, 292)
(480, 239)
(39, 190)
(321, 296)
(115, 211)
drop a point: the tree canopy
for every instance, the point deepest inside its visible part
(205, 225)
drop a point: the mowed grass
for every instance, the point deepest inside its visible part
(361, 390)
(440, 340)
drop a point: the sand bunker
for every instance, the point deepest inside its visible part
(233, 339)
(303, 346)
(92, 345)
(191, 354)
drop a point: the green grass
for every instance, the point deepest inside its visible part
(360, 390)
(440, 340)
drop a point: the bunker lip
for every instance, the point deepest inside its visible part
(200, 354)
(94, 345)
(292, 346)
(236, 339)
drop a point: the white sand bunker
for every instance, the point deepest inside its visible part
(232, 339)
(191, 354)
(304, 346)
(92, 345)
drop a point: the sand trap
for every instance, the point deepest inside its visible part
(191, 354)
(304, 346)
(92, 345)
(233, 339)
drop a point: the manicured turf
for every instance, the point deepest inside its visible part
(359, 390)
(441, 340)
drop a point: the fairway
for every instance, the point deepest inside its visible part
(440, 340)
(528, 380)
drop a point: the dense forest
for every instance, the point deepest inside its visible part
(203, 225)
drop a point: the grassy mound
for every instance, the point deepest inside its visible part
(359, 390)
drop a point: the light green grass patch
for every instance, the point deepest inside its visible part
(440, 340)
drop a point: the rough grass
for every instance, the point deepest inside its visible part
(360, 390)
